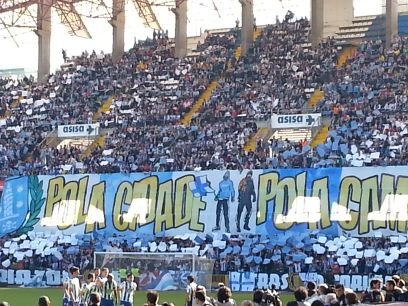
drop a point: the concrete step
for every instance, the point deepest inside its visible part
(205, 96)
(103, 109)
(262, 133)
(346, 54)
(99, 142)
(317, 96)
(321, 136)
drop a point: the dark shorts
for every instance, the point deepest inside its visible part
(105, 302)
(122, 303)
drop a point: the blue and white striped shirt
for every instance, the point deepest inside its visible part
(109, 290)
(127, 291)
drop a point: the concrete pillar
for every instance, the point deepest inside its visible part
(391, 20)
(327, 16)
(247, 31)
(180, 12)
(118, 25)
(43, 32)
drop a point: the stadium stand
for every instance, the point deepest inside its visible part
(211, 104)
(204, 112)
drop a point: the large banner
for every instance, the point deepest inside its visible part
(355, 201)
(247, 281)
(162, 280)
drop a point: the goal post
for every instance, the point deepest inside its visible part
(157, 271)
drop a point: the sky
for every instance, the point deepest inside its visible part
(201, 16)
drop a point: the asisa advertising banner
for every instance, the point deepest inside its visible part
(356, 201)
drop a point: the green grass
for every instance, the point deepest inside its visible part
(27, 297)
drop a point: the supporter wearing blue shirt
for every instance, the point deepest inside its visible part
(226, 192)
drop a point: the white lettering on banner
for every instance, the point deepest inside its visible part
(246, 281)
(78, 130)
(358, 282)
(37, 278)
(295, 121)
(26, 277)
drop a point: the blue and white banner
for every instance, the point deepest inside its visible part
(247, 281)
(355, 201)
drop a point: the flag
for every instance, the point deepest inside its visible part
(201, 186)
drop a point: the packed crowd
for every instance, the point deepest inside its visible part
(304, 253)
(149, 87)
(366, 100)
(151, 91)
(368, 107)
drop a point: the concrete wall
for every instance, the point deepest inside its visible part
(327, 16)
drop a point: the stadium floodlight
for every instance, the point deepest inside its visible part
(158, 271)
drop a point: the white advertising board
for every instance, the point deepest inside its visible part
(78, 130)
(295, 121)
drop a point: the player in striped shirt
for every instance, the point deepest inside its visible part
(109, 292)
(88, 288)
(127, 289)
(73, 288)
(65, 287)
(100, 279)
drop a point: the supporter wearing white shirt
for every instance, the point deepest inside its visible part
(73, 288)
(127, 290)
(191, 289)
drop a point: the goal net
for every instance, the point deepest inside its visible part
(157, 271)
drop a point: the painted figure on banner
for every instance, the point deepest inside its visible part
(246, 195)
(226, 192)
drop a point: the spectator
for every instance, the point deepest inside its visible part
(224, 297)
(392, 291)
(351, 299)
(258, 297)
(374, 295)
(210, 299)
(152, 298)
(317, 303)
(311, 290)
(340, 294)
(247, 303)
(95, 299)
(44, 301)
(300, 297)
(201, 299)
(401, 284)
(330, 299)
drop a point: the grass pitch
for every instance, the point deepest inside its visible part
(27, 297)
